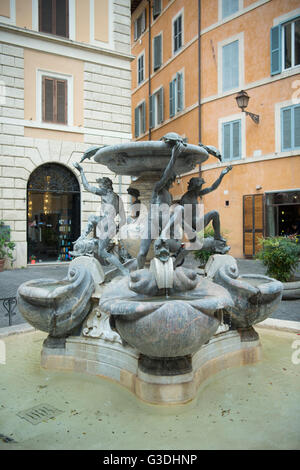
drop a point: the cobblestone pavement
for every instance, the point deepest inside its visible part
(10, 280)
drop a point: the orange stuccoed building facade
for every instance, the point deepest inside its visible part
(192, 59)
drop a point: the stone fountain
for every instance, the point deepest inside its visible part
(129, 309)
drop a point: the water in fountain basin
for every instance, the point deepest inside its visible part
(233, 409)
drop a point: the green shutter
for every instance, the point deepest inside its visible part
(226, 141)
(143, 126)
(230, 65)
(160, 105)
(179, 82)
(286, 128)
(172, 98)
(143, 26)
(276, 50)
(296, 126)
(135, 30)
(236, 140)
(156, 8)
(229, 7)
(136, 122)
(157, 52)
(152, 111)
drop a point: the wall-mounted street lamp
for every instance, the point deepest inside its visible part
(242, 99)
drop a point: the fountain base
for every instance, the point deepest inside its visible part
(125, 365)
(167, 366)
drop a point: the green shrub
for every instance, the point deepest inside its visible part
(280, 255)
(203, 255)
(6, 246)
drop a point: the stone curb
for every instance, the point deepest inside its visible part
(284, 325)
(16, 330)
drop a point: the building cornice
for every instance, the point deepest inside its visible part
(34, 39)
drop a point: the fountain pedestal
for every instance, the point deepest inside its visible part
(122, 364)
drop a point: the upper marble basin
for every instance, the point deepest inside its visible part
(136, 158)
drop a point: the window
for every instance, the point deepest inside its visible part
(156, 8)
(229, 7)
(141, 68)
(54, 100)
(54, 17)
(230, 66)
(176, 94)
(140, 120)
(290, 128)
(140, 25)
(285, 46)
(231, 140)
(291, 44)
(157, 108)
(177, 33)
(157, 52)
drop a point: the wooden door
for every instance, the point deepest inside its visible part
(253, 223)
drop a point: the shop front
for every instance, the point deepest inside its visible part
(53, 213)
(275, 213)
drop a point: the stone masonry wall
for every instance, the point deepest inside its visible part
(107, 121)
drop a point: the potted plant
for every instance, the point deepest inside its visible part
(281, 255)
(32, 259)
(6, 246)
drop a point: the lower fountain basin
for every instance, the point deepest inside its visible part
(254, 296)
(166, 327)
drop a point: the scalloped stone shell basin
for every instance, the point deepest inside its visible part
(255, 297)
(57, 307)
(136, 158)
(166, 327)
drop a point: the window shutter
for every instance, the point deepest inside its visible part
(152, 111)
(160, 105)
(157, 52)
(230, 66)
(61, 101)
(226, 141)
(286, 128)
(236, 139)
(144, 20)
(297, 127)
(172, 98)
(48, 99)
(135, 30)
(45, 16)
(229, 7)
(156, 8)
(62, 18)
(275, 50)
(136, 122)
(179, 80)
(140, 69)
(143, 112)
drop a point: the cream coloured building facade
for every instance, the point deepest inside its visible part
(65, 85)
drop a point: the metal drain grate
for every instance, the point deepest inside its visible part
(39, 413)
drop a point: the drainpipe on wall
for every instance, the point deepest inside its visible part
(149, 60)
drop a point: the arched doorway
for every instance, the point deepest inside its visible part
(53, 213)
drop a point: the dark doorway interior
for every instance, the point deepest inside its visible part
(53, 201)
(283, 213)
